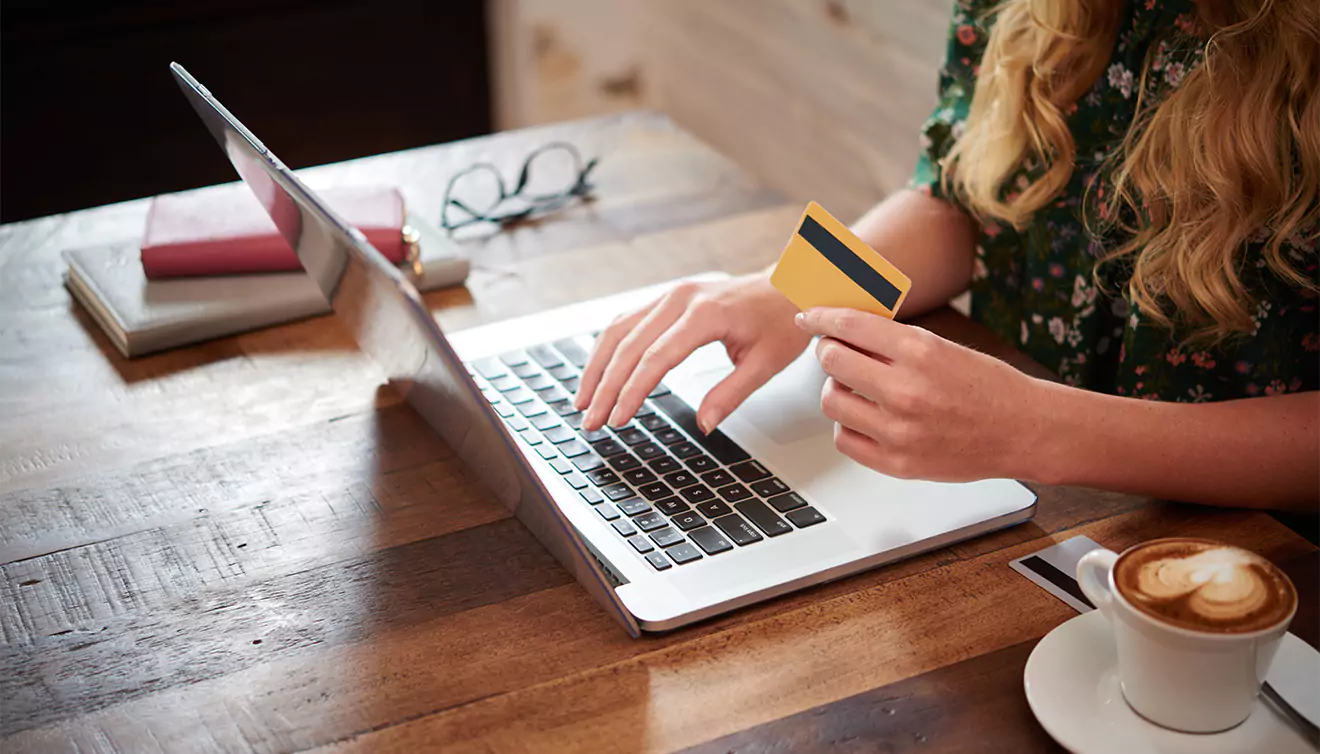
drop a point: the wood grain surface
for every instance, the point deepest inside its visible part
(253, 545)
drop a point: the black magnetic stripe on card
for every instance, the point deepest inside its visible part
(1043, 569)
(849, 263)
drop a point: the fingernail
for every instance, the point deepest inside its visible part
(617, 420)
(591, 421)
(800, 319)
(706, 425)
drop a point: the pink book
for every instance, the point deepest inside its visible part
(223, 233)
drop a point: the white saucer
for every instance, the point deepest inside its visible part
(1073, 689)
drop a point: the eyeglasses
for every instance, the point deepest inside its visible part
(545, 167)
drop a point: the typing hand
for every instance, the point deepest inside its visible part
(752, 319)
(911, 404)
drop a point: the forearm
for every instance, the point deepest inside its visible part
(1256, 453)
(930, 240)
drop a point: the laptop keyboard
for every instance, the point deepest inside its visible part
(677, 496)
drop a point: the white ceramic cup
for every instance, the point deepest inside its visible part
(1192, 681)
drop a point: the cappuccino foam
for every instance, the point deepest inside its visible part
(1204, 586)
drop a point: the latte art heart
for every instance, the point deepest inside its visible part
(1220, 584)
(1204, 585)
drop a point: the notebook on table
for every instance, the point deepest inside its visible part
(143, 316)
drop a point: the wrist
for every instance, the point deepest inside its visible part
(1045, 438)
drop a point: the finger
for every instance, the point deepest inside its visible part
(667, 351)
(627, 354)
(729, 393)
(843, 406)
(603, 351)
(892, 462)
(869, 332)
(862, 373)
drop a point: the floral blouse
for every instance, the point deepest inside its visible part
(1035, 287)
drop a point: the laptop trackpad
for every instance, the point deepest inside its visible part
(786, 410)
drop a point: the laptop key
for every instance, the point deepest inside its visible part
(634, 506)
(573, 420)
(617, 491)
(592, 495)
(531, 408)
(749, 471)
(632, 436)
(734, 492)
(653, 422)
(624, 527)
(588, 462)
(574, 448)
(554, 394)
(649, 521)
(683, 554)
(688, 520)
(505, 383)
(655, 490)
(531, 438)
(608, 512)
(737, 529)
(684, 449)
(671, 506)
(664, 465)
(502, 409)
(765, 519)
(603, 477)
(576, 481)
(525, 370)
(545, 356)
(769, 487)
(546, 451)
(594, 435)
(490, 368)
(573, 351)
(517, 423)
(659, 561)
(559, 434)
(623, 462)
(716, 443)
(709, 539)
(666, 537)
(714, 509)
(572, 384)
(641, 544)
(669, 436)
(648, 450)
(560, 465)
(701, 464)
(680, 479)
(514, 358)
(787, 502)
(718, 478)
(804, 517)
(697, 494)
(562, 407)
(562, 372)
(539, 382)
(545, 421)
(638, 477)
(658, 391)
(607, 448)
(521, 395)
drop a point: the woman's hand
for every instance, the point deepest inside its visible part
(752, 319)
(911, 404)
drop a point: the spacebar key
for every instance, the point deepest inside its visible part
(716, 443)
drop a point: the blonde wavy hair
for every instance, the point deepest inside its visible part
(1231, 155)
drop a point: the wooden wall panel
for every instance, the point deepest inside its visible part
(822, 99)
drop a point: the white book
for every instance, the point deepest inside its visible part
(143, 316)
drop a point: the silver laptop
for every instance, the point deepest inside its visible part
(661, 524)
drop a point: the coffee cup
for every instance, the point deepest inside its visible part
(1196, 624)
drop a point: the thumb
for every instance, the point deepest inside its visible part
(729, 393)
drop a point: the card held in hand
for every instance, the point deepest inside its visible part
(825, 264)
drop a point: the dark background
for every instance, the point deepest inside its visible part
(89, 113)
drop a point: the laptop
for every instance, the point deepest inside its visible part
(662, 525)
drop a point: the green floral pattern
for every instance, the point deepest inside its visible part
(1035, 287)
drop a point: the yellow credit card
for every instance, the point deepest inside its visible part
(825, 264)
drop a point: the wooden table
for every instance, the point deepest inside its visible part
(252, 544)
